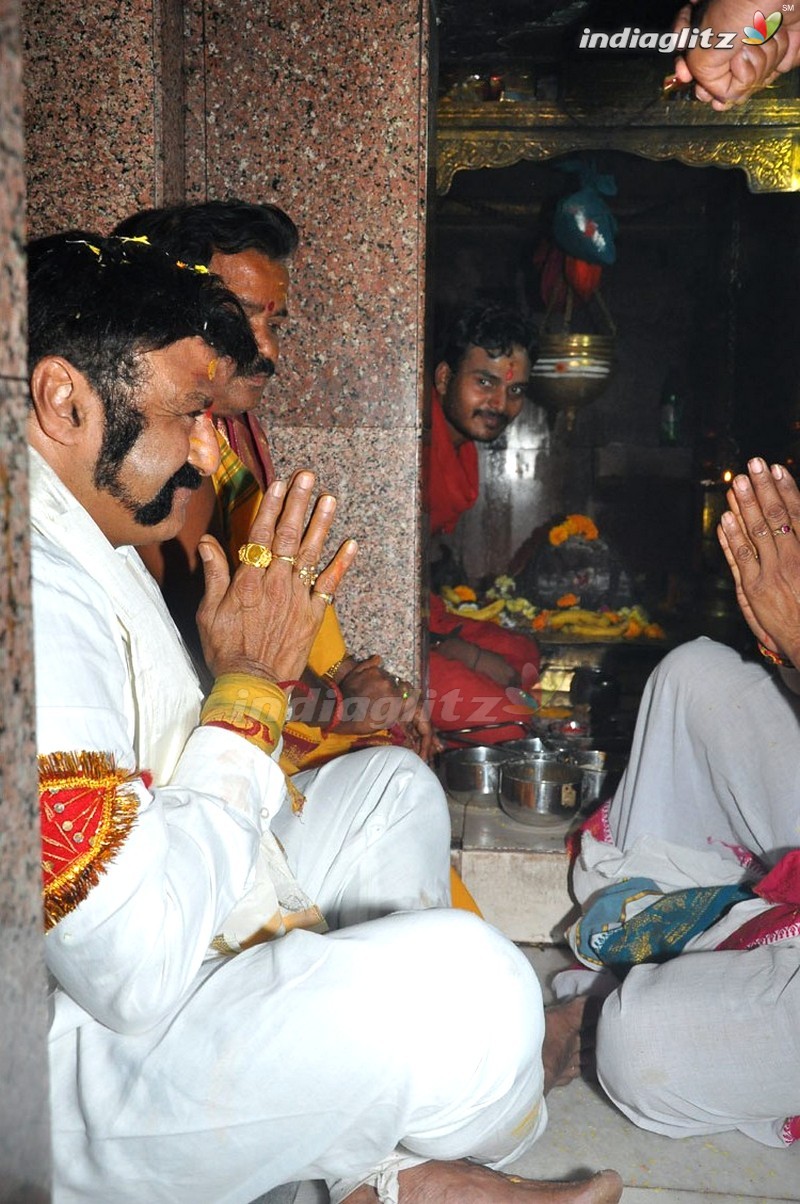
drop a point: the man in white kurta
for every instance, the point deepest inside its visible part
(192, 1059)
(310, 1056)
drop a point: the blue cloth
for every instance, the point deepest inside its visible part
(607, 936)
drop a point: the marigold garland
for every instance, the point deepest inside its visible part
(574, 525)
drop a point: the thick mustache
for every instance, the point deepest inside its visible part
(187, 477)
(263, 366)
(160, 507)
(492, 414)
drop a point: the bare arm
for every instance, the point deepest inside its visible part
(479, 660)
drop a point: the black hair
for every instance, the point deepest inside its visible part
(195, 232)
(101, 303)
(494, 327)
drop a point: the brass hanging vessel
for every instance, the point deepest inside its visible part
(572, 369)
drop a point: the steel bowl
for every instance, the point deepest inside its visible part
(525, 748)
(540, 791)
(473, 774)
(601, 772)
(587, 758)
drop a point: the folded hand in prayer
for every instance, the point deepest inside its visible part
(759, 538)
(263, 620)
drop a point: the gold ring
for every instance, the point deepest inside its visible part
(321, 594)
(783, 529)
(288, 559)
(308, 575)
(256, 555)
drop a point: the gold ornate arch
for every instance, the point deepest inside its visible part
(762, 138)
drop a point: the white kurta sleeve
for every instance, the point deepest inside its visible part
(129, 951)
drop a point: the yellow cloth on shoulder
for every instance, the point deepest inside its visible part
(238, 497)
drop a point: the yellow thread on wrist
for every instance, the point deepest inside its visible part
(249, 706)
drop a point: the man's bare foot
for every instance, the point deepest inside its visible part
(468, 1183)
(561, 1048)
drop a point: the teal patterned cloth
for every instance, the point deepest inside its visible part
(609, 934)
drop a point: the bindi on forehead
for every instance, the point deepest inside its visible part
(509, 373)
(271, 307)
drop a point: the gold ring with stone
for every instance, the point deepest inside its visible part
(321, 594)
(308, 575)
(289, 559)
(783, 529)
(256, 555)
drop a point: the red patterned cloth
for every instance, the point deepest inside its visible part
(87, 807)
(781, 888)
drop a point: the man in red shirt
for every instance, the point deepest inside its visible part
(478, 671)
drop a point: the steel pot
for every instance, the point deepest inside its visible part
(525, 748)
(473, 772)
(540, 791)
(601, 773)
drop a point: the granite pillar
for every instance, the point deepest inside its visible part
(323, 110)
(24, 1127)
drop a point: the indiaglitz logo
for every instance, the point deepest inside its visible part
(688, 38)
(762, 29)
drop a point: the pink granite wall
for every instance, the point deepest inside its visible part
(24, 1131)
(103, 110)
(323, 109)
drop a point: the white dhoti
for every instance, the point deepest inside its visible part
(715, 756)
(316, 1056)
(709, 1041)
